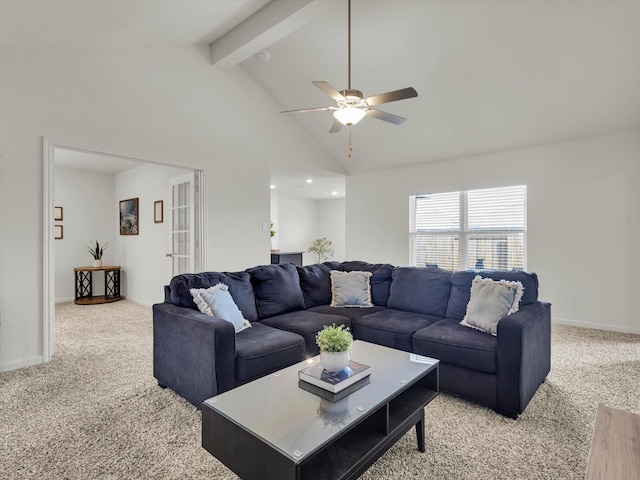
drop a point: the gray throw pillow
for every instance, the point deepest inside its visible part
(490, 302)
(217, 302)
(351, 289)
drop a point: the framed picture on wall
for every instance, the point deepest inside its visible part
(129, 216)
(57, 232)
(57, 214)
(158, 211)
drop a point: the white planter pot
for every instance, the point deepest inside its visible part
(97, 263)
(334, 361)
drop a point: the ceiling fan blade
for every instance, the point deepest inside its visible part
(329, 90)
(304, 110)
(335, 127)
(387, 117)
(396, 95)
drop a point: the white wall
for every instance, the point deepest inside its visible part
(302, 220)
(145, 266)
(87, 199)
(298, 226)
(165, 104)
(331, 224)
(583, 222)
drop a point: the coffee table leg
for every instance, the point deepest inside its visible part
(420, 432)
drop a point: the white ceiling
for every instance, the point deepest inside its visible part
(490, 75)
(120, 22)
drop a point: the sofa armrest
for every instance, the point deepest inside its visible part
(524, 356)
(193, 353)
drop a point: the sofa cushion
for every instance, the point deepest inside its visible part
(461, 288)
(216, 301)
(315, 282)
(261, 350)
(239, 284)
(391, 328)
(351, 289)
(307, 324)
(348, 312)
(380, 278)
(276, 289)
(420, 290)
(491, 300)
(452, 343)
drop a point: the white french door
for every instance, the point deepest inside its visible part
(183, 236)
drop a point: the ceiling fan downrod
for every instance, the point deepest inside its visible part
(349, 44)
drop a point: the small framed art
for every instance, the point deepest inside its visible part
(129, 216)
(57, 214)
(57, 232)
(158, 211)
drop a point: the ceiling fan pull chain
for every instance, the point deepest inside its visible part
(350, 144)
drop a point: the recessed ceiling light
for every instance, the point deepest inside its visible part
(309, 180)
(272, 187)
(334, 193)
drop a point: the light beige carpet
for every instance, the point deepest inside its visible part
(95, 412)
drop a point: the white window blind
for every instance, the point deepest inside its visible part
(471, 229)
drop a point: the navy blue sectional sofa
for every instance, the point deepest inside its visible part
(415, 309)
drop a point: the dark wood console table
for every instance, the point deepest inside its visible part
(278, 257)
(84, 287)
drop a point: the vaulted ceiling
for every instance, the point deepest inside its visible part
(490, 75)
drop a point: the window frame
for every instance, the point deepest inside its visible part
(463, 233)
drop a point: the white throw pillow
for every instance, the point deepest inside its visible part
(217, 302)
(351, 289)
(490, 302)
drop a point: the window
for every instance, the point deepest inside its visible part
(474, 229)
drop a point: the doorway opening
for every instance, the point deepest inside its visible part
(53, 150)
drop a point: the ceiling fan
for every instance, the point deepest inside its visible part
(351, 106)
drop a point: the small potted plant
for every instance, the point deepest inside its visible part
(321, 247)
(273, 232)
(334, 342)
(96, 251)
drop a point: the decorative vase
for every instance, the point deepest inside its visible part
(97, 263)
(334, 361)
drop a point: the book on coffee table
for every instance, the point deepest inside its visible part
(334, 397)
(334, 382)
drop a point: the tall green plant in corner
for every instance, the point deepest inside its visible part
(321, 247)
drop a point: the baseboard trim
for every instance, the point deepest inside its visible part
(596, 326)
(138, 301)
(131, 299)
(22, 363)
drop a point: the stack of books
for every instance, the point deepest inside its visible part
(334, 386)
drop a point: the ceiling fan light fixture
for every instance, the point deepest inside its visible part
(349, 115)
